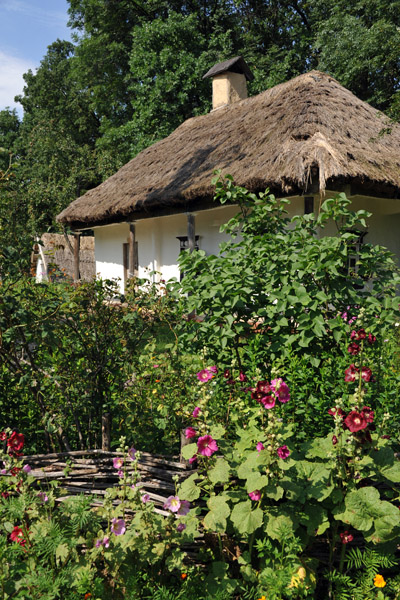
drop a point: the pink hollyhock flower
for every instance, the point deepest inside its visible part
(260, 446)
(204, 375)
(43, 497)
(118, 462)
(264, 387)
(181, 527)
(283, 452)
(213, 369)
(184, 508)
(256, 495)
(368, 414)
(120, 474)
(132, 453)
(3, 472)
(366, 374)
(355, 421)
(26, 469)
(118, 526)
(103, 542)
(353, 335)
(193, 459)
(353, 349)
(15, 442)
(190, 432)
(242, 376)
(350, 373)
(145, 498)
(281, 390)
(207, 445)
(173, 504)
(196, 412)
(346, 537)
(268, 402)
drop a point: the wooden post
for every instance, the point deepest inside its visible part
(191, 232)
(132, 262)
(308, 204)
(106, 431)
(77, 245)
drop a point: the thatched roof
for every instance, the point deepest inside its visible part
(309, 127)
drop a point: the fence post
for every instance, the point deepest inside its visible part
(106, 432)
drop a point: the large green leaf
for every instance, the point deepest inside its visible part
(220, 472)
(215, 519)
(188, 489)
(246, 519)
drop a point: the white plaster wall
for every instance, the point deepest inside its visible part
(109, 242)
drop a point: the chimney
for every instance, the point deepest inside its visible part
(229, 80)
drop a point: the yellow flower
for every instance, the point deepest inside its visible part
(262, 598)
(379, 581)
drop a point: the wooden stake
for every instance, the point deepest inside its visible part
(133, 254)
(191, 232)
(106, 431)
(77, 245)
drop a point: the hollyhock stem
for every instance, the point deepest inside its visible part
(342, 555)
(360, 373)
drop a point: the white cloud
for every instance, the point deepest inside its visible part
(11, 81)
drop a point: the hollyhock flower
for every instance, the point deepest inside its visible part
(3, 471)
(353, 349)
(173, 504)
(256, 395)
(43, 497)
(5, 495)
(350, 373)
(14, 471)
(184, 508)
(379, 581)
(207, 445)
(368, 414)
(196, 412)
(346, 537)
(98, 543)
(118, 526)
(353, 335)
(17, 535)
(190, 432)
(213, 369)
(120, 474)
(260, 446)
(340, 412)
(355, 421)
(3, 436)
(227, 373)
(132, 453)
(264, 387)
(283, 452)
(366, 374)
(256, 495)
(361, 335)
(118, 462)
(193, 459)
(15, 442)
(104, 542)
(181, 527)
(268, 402)
(26, 469)
(281, 390)
(371, 339)
(145, 498)
(204, 375)
(242, 376)
(334, 440)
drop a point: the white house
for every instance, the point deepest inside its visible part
(305, 139)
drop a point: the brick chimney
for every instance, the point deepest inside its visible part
(229, 81)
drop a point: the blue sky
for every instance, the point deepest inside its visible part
(27, 27)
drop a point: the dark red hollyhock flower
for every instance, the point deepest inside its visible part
(368, 414)
(227, 373)
(15, 470)
(371, 339)
(350, 374)
(15, 442)
(366, 373)
(332, 412)
(355, 421)
(361, 335)
(264, 387)
(353, 349)
(242, 376)
(257, 396)
(5, 494)
(17, 535)
(334, 440)
(3, 436)
(353, 335)
(346, 537)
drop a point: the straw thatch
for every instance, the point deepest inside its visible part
(308, 128)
